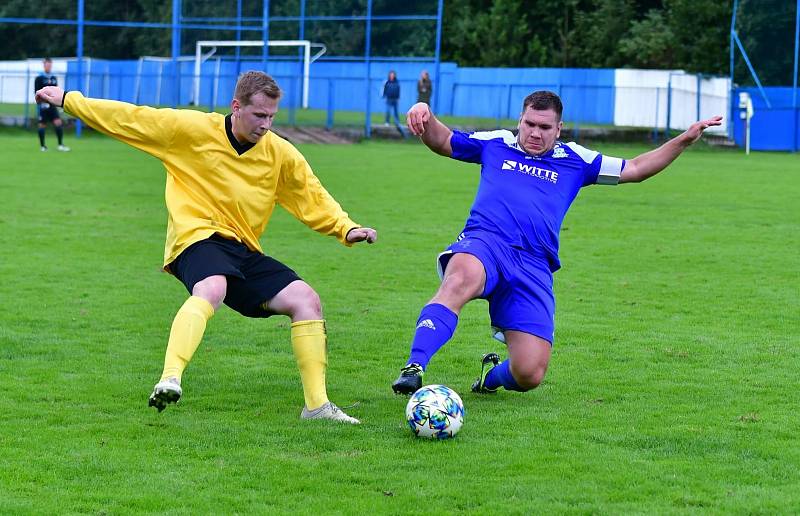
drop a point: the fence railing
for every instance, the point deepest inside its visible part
(341, 101)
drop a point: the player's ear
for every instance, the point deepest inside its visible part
(235, 106)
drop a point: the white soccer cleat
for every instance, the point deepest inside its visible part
(165, 392)
(329, 411)
(64, 148)
(43, 149)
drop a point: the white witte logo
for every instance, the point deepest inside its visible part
(427, 323)
(558, 152)
(531, 170)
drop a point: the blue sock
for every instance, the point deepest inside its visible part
(435, 326)
(501, 376)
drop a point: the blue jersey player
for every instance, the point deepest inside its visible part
(508, 251)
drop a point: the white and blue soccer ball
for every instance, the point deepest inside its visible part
(435, 412)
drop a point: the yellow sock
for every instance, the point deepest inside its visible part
(310, 345)
(187, 331)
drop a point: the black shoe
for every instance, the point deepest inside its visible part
(488, 362)
(409, 381)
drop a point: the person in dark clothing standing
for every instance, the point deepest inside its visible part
(424, 88)
(48, 112)
(391, 92)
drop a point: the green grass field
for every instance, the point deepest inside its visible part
(672, 387)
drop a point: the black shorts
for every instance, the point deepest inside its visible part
(48, 114)
(253, 278)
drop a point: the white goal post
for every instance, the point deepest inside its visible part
(306, 45)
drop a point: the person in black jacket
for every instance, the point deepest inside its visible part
(391, 92)
(48, 112)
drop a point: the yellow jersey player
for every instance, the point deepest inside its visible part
(225, 174)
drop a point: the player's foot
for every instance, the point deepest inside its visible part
(488, 362)
(63, 148)
(165, 392)
(410, 379)
(329, 411)
(43, 149)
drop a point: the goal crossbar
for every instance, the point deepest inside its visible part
(306, 45)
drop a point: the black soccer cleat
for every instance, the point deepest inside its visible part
(410, 379)
(488, 362)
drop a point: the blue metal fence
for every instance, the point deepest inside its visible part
(239, 24)
(775, 125)
(588, 94)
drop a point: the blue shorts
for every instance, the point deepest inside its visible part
(519, 284)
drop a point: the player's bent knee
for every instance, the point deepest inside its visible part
(213, 289)
(312, 302)
(305, 302)
(529, 377)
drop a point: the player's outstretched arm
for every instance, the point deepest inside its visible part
(651, 163)
(143, 127)
(431, 131)
(300, 192)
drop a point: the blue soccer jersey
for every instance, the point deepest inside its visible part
(523, 199)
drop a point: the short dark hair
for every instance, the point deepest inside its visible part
(254, 82)
(543, 100)
(47, 60)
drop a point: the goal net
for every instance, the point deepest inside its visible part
(213, 75)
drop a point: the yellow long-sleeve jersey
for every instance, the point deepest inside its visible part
(215, 184)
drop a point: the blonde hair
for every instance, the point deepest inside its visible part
(253, 82)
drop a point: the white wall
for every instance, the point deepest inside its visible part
(17, 78)
(641, 99)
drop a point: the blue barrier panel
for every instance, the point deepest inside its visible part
(771, 129)
(349, 78)
(588, 94)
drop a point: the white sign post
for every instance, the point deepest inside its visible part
(746, 113)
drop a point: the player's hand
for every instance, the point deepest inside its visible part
(417, 117)
(695, 131)
(50, 94)
(361, 234)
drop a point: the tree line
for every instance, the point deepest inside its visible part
(661, 34)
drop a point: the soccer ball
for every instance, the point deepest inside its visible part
(435, 412)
